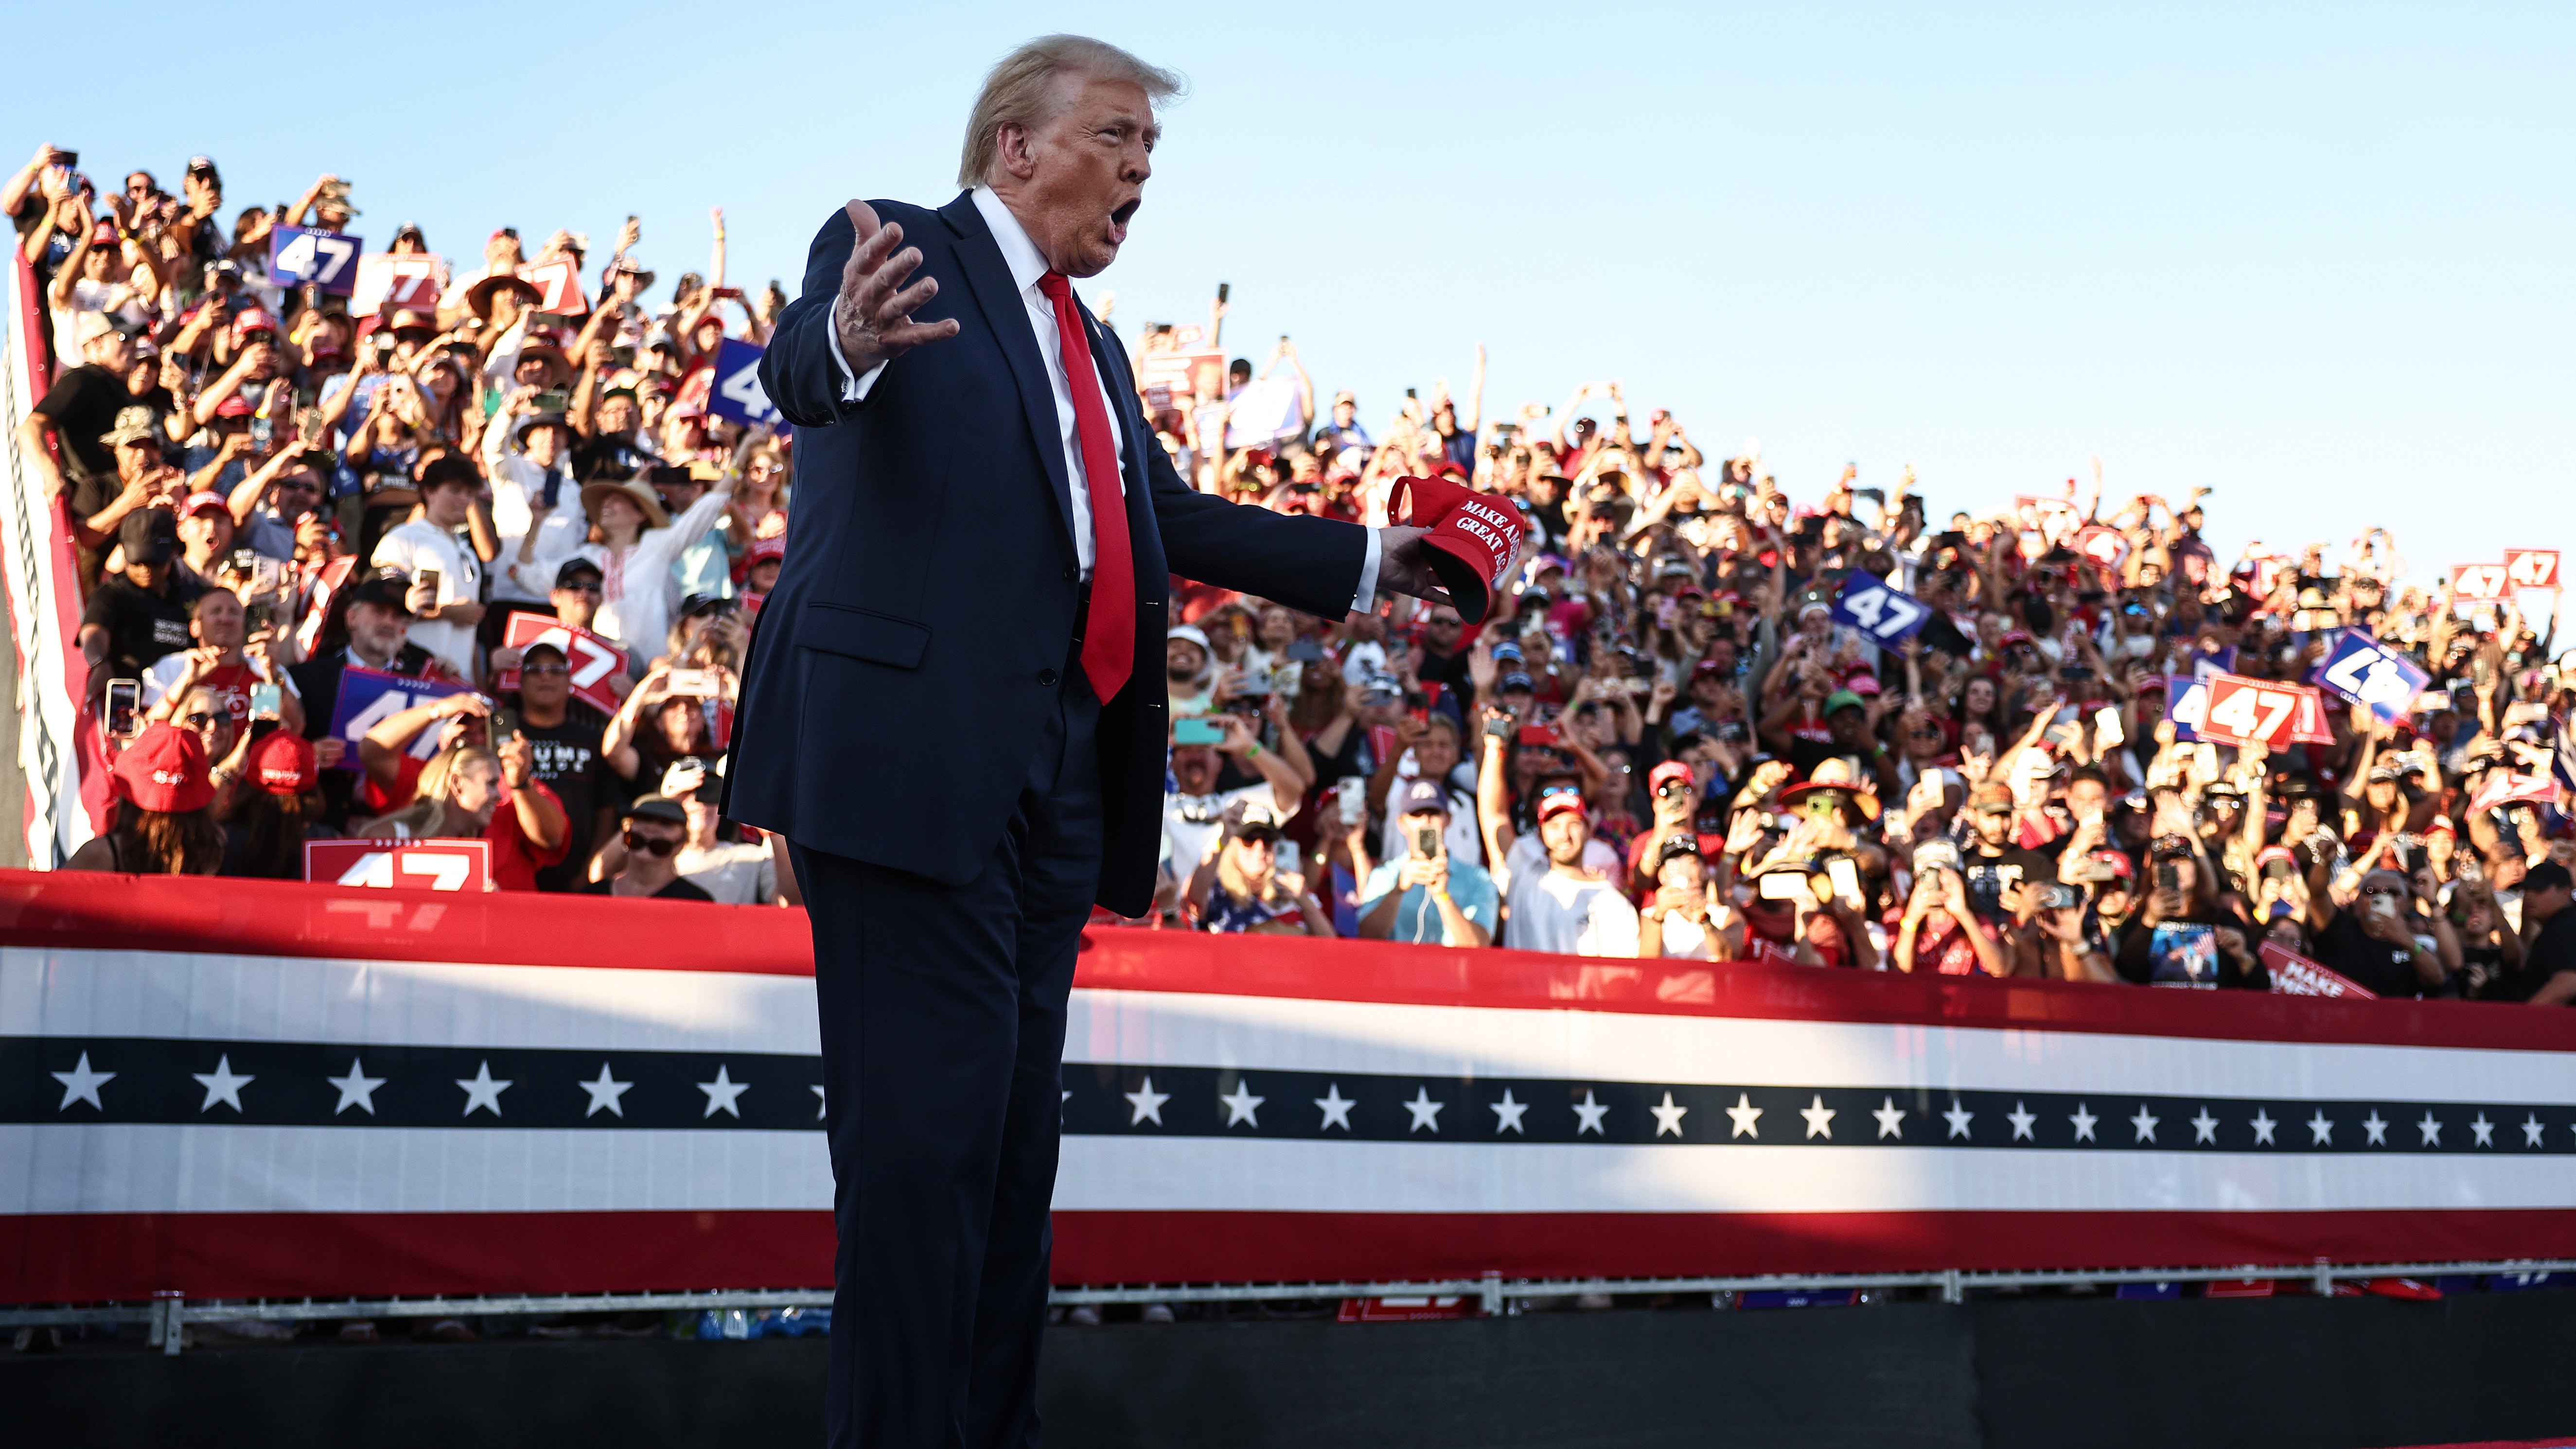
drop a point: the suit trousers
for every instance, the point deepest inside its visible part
(943, 1020)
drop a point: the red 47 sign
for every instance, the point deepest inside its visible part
(594, 660)
(2480, 583)
(2260, 712)
(418, 865)
(2531, 568)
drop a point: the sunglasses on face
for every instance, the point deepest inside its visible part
(589, 587)
(198, 720)
(531, 670)
(649, 845)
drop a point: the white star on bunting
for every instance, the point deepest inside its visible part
(1891, 1119)
(1958, 1117)
(1337, 1108)
(2263, 1125)
(1240, 1107)
(2321, 1129)
(221, 1085)
(1668, 1118)
(1148, 1104)
(2021, 1117)
(2432, 1130)
(1820, 1119)
(2145, 1122)
(722, 1093)
(357, 1089)
(1507, 1113)
(2084, 1119)
(1590, 1113)
(2485, 1131)
(2531, 1130)
(2204, 1128)
(482, 1091)
(80, 1084)
(604, 1094)
(1746, 1117)
(820, 1099)
(1426, 1113)
(2376, 1127)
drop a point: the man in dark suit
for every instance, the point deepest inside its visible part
(952, 708)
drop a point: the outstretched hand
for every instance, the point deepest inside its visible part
(1403, 562)
(873, 313)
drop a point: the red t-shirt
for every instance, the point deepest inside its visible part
(515, 858)
(1949, 953)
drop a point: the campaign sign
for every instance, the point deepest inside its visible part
(2260, 712)
(1265, 412)
(1882, 614)
(2478, 583)
(2186, 707)
(737, 393)
(2366, 671)
(388, 279)
(419, 865)
(2531, 568)
(2105, 546)
(2296, 975)
(559, 286)
(594, 660)
(367, 696)
(298, 255)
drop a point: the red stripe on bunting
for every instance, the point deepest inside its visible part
(60, 910)
(61, 1258)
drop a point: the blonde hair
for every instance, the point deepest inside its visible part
(1020, 90)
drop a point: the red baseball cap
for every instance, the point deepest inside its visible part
(1669, 770)
(201, 502)
(253, 319)
(283, 763)
(165, 770)
(774, 546)
(235, 406)
(1559, 802)
(1474, 538)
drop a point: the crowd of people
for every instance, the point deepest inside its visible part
(1663, 744)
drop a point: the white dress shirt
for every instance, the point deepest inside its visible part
(1027, 265)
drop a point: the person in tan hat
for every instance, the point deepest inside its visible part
(634, 539)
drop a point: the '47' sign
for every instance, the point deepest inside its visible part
(1879, 612)
(2363, 670)
(419, 865)
(2245, 711)
(595, 663)
(738, 394)
(297, 255)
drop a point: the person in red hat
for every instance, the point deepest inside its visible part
(165, 823)
(761, 562)
(205, 534)
(277, 807)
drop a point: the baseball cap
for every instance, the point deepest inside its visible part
(1191, 632)
(577, 568)
(2549, 875)
(1258, 824)
(1423, 795)
(1936, 855)
(253, 319)
(235, 406)
(1843, 699)
(1552, 803)
(133, 425)
(283, 763)
(1517, 680)
(772, 547)
(1991, 797)
(655, 807)
(1680, 842)
(386, 588)
(93, 326)
(1669, 772)
(165, 770)
(149, 536)
(204, 502)
(1381, 684)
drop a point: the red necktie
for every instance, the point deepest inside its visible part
(1109, 636)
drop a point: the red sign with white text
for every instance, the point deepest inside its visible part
(595, 662)
(2479, 583)
(2296, 975)
(561, 285)
(2261, 712)
(2531, 568)
(420, 865)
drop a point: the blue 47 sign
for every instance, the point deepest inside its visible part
(297, 255)
(1882, 614)
(2366, 671)
(368, 696)
(737, 393)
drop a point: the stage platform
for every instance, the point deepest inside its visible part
(2278, 1373)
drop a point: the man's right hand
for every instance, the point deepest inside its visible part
(873, 313)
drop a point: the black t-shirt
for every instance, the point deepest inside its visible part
(2184, 951)
(2551, 951)
(610, 456)
(678, 890)
(1989, 869)
(2380, 967)
(568, 760)
(82, 406)
(141, 625)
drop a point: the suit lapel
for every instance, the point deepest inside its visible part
(979, 257)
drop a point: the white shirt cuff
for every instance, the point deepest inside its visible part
(1366, 599)
(853, 389)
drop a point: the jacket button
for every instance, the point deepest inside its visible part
(1046, 677)
(1071, 574)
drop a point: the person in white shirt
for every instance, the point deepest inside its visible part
(634, 541)
(1572, 908)
(1194, 810)
(1685, 919)
(445, 609)
(523, 451)
(735, 874)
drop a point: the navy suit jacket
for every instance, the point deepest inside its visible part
(903, 671)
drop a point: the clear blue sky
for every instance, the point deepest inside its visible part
(2317, 258)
